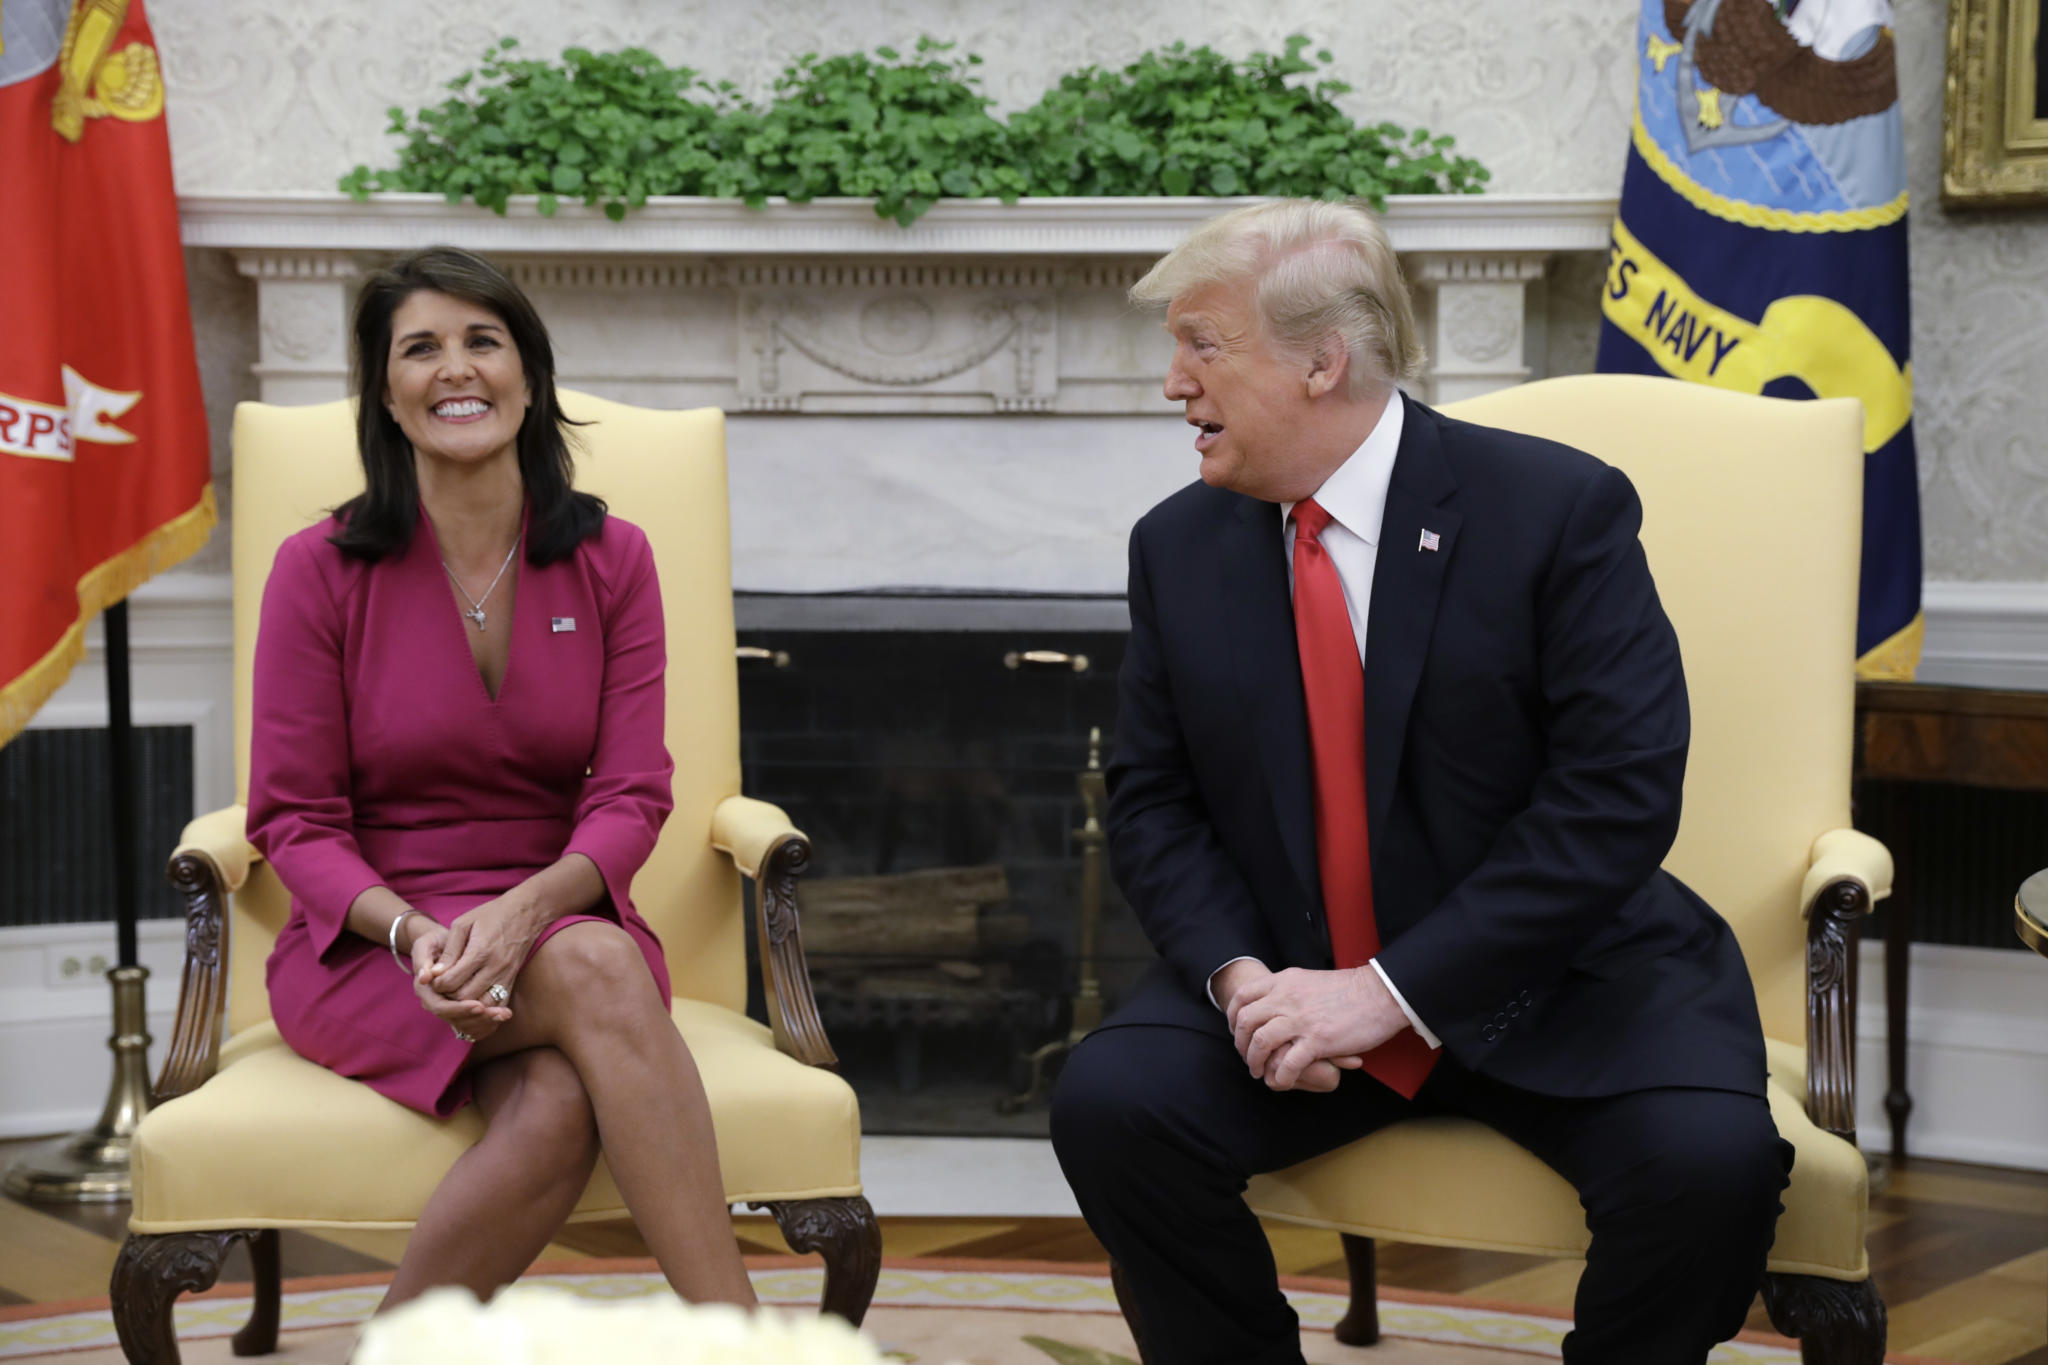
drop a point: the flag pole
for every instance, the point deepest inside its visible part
(92, 1166)
(121, 778)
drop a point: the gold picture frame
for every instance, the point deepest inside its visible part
(1994, 146)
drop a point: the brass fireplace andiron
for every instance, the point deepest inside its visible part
(1086, 1012)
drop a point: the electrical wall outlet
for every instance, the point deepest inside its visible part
(67, 965)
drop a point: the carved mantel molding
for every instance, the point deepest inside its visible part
(980, 307)
(683, 227)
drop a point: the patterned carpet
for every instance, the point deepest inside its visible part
(927, 1312)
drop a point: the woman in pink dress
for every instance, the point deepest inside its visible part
(457, 768)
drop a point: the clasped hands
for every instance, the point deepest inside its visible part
(1301, 1030)
(456, 965)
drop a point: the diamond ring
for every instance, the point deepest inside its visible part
(497, 995)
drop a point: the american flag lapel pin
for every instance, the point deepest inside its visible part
(562, 625)
(1430, 540)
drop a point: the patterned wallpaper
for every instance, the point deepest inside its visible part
(1980, 332)
(224, 328)
(271, 97)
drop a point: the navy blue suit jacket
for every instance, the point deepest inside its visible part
(1526, 729)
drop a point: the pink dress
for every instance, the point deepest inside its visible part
(378, 759)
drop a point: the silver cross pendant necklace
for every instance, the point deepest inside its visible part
(475, 611)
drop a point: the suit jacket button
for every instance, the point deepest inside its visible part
(1525, 999)
(1514, 1008)
(1489, 1033)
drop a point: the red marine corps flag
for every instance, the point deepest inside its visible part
(104, 468)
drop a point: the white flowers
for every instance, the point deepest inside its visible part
(534, 1325)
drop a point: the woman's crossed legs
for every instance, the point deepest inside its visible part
(589, 1057)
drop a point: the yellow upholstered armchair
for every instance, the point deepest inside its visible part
(1753, 523)
(247, 1137)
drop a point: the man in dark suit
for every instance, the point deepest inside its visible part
(1400, 741)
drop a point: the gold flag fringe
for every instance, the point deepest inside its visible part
(1898, 658)
(99, 588)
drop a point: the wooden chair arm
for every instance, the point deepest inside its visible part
(1847, 875)
(211, 860)
(765, 846)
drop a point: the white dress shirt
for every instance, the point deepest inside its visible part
(1355, 496)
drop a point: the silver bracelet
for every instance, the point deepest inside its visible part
(400, 919)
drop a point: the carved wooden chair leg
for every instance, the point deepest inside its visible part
(149, 1274)
(1128, 1306)
(845, 1233)
(1361, 1324)
(1838, 1322)
(258, 1336)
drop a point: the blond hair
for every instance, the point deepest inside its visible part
(1318, 269)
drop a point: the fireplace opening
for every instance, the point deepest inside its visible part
(943, 776)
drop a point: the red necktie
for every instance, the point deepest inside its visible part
(1333, 685)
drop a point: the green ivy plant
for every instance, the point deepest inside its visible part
(906, 130)
(608, 128)
(1181, 122)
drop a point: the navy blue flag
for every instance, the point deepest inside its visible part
(1761, 245)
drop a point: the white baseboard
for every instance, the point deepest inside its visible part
(1976, 1061)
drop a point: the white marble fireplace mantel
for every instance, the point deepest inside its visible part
(969, 404)
(681, 227)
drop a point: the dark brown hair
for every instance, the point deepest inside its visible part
(381, 519)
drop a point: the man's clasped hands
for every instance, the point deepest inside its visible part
(1301, 1030)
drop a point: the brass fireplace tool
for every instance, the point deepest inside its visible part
(1086, 1013)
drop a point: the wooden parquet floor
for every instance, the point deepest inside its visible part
(1960, 1254)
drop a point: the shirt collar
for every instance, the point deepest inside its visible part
(1355, 494)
